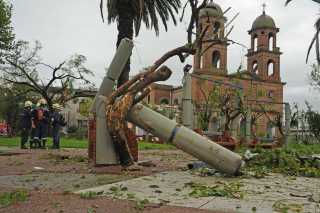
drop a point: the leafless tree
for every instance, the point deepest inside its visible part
(24, 68)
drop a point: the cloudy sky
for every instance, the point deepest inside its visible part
(65, 27)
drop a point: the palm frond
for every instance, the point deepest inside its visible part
(148, 12)
(315, 40)
(288, 1)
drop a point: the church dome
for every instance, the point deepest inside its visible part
(212, 10)
(263, 21)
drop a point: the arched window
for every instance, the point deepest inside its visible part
(176, 101)
(255, 43)
(255, 67)
(164, 101)
(271, 42)
(216, 30)
(270, 68)
(271, 130)
(216, 59)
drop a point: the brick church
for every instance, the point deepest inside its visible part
(261, 82)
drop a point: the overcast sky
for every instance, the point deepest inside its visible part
(65, 27)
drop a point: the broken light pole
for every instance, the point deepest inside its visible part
(187, 107)
(105, 152)
(183, 138)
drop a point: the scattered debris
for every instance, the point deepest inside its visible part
(283, 160)
(147, 163)
(248, 155)
(229, 190)
(90, 194)
(38, 168)
(284, 207)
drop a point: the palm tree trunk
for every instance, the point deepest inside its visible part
(125, 30)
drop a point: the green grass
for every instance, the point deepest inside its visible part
(149, 146)
(9, 198)
(65, 142)
(80, 144)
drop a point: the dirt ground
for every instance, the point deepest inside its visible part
(48, 177)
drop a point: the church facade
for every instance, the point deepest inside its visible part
(260, 83)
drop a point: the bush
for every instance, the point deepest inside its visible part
(79, 133)
(72, 129)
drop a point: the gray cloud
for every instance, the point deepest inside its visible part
(73, 26)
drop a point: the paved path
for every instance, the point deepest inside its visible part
(265, 195)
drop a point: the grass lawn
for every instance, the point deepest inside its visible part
(80, 144)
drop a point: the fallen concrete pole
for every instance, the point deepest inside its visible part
(185, 139)
(105, 152)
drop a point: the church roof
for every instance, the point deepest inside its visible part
(246, 74)
(263, 21)
(212, 9)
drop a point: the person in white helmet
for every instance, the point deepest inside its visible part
(40, 120)
(57, 122)
(25, 124)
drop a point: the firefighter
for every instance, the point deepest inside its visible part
(25, 124)
(33, 127)
(57, 121)
(40, 120)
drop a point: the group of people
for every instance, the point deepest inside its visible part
(35, 122)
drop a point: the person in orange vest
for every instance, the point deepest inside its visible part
(40, 121)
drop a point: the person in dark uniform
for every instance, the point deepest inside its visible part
(40, 120)
(57, 121)
(25, 124)
(33, 128)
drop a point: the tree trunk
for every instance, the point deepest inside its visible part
(125, 30)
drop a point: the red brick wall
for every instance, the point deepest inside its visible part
(132, 142)
(92, 140)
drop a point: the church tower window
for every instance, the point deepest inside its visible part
(216, 59)
(255, 67)
(270, 68)
(271, 42)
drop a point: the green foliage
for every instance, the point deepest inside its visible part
(315, 76)
(307, 120)
(289, 161)
(9, 198)
(144, 11)
(313, 119)
(118, 191)
(261, 93)
(282, 207)
(90, 194)
(6, 31)
(77, 133)
(229, 190)
(140, 204)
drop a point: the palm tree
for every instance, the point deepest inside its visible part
(130, 13)
(315, 40)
